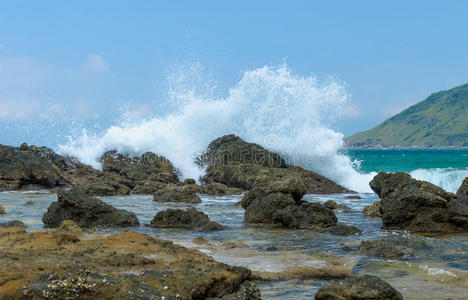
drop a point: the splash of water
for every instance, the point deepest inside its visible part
(270, 106)
(449, 179)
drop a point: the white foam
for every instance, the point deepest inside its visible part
(449, 179)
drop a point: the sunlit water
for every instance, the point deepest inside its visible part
(438, 270)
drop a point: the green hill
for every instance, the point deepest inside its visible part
(439, 121)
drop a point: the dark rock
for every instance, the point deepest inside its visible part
(178, 193)
(341, 229)
(14, 223)
(219, 189)
(463, 190)
(230, 150)
(190, 181)
(189, 218)
(372, 210)
(148, 187)
(86, 211)
(353, 197)
(359, 287)
(385, 250)
(2, 210)
(333, 205)
(419, 206)
(247, 291)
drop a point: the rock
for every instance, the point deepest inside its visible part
(2, 210)
(418, 206)
(190, 181)
(341, 229)
(333, 205)
(199, 240)
(353, 197)
(189, 218)
(69, 225)
(231, 150)
(30, 203)
(176, 193)
(365, 287)
(126, 265)
(219, 189)
(148, 187)
(385, 250)
(247, 291)
(105, 187)
(14, 223)
(463, 190)
(372, 210)
(86, 211)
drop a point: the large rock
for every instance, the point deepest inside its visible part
(372, 210)
(419, 206)
(236, 163)
(144, 173)
(219, 189)
(384, 249)
(179, 193)
(463, 190)
(189, 218)
(365, 287)
(2, 210)
(86, 211)
(126, 265)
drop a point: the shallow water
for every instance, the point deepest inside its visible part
(438, 270)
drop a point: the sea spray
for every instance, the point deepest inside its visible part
(270, 106)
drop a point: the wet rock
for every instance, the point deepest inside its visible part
(104, 187)
(69, 225)
(333, 205)
(418, 206)
(385, 250)
(199, 240)
(341, 229)
(219, 189)
(190, 181)
(126, 265)
(353, 197)
(178, 193)
(247, 291)
(86, 211)
(2, 210)
(30, 203)
(359, 287)
(189, 218)
(372, 210)
(14, 223)
(236, 244)
(148, 187)
(463, 190)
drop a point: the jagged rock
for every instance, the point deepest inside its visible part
(86, 211)
(385, 250)
(219, 189)
(126, 265)
(333, 205)
(14, 223)
(353, 197)
(341, 229)
(420, 206)
(189, 218)
(463, 190)
(2, 210)
(372, 210)
(364, 287)
(247, 291)
(190, 181)
(148, 187)
(178, 193)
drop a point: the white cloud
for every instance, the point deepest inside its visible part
(95, 63)
(55, 111)
(17, 110)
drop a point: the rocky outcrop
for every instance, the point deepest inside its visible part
(247, 291)
(372, 210)
(364, 287)
(86, 211)
(280, 204)
(385, 250)
(219, 189)
(189, 218)
(419, 206)
(239, 164)
(179, 193)
(333, 205)
(463, 190)
(126, 265)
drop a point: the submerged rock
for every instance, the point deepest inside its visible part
(364, 287)
(341, 229)
(2, 210)
(178, 193)
(219, 189)
(353, 197)
(385, 250)
(333, 205)
(419, 206)
(247, 291)
(14, 223)
(189, 218)
(126, 265)
(372, 210)
(86, 211)
(463, 190)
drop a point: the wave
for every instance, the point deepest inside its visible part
(269, 106)
(449, 179)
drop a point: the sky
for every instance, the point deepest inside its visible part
(66, 65)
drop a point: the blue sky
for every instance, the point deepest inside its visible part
(69, 64)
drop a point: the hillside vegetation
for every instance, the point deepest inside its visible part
(439, 121)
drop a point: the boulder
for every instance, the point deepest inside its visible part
(372, 210)
(418, 206)
(219, 189)
(14, 223)
(364, 287)
(179, 193)
(463, 190)
(385, 250)
(353, 197)
(341, 229)
(247, 291)
(333, 205)
(2, 210)
(86, 211)
(189, 218)
(190, 181)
